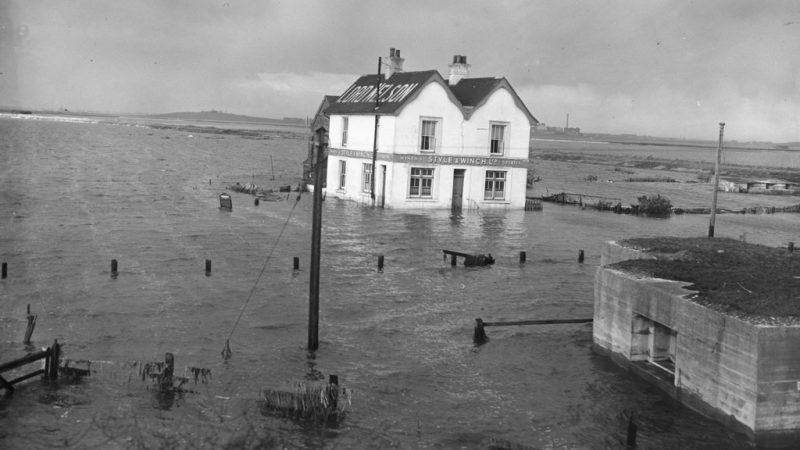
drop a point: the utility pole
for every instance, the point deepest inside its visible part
(316, 237)
(716, 182)
(375, 138)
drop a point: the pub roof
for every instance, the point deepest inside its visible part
(403, 87)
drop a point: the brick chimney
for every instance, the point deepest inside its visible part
(459, 69)
(395, 63)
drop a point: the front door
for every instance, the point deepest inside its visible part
(458, 189)
(382, 198)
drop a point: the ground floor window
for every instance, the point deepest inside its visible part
(421, 183)
(366, 177)
(342, 174)
(495, 185)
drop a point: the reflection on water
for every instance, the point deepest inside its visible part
(401, 338)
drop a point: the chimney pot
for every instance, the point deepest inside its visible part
(458, 69)
(395, 64)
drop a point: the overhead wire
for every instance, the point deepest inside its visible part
(226, 350)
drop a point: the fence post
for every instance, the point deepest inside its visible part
(479, 337)
(31, 325)
(51, 361)
(631, 441)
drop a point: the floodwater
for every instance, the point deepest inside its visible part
(73, 196)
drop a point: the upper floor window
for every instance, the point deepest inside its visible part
(495, 185)
(345, 125)
(421, 182)
(497, 143)
(429, 130)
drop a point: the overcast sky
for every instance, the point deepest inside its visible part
(664, 68)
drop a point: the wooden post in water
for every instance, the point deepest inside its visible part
(791, 247)
(479, 337)
(716, 183)
(296, 263)
(375, 134)
(273, 167)
(208, 267)
(316, 237)
(114, 272)
(333, 391)
(580, 256)
(51, 364)
(31, 325)
(522, 257)
(380, 263)
(5, 271)
(631, 440)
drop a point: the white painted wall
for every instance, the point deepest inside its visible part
(500, 107)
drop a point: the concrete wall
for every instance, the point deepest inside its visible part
(778, 378)
(743, 373)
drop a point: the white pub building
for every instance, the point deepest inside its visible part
(435, 143)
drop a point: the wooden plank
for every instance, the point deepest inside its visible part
(24, 360)
(536, 322)
(25, 377)
(450, 252)
(6, 385)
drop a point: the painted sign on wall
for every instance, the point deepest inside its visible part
(432, 159)
(389, 93)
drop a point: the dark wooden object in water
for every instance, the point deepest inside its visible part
(469, 260)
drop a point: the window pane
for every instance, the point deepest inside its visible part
(428, 135)
(345, 125)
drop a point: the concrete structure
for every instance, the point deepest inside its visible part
(742, 372)
(436, 143)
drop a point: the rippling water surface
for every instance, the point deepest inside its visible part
(75, 195)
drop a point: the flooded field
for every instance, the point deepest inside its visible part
(73, 196)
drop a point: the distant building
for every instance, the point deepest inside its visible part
(769, 186)
(460, 142)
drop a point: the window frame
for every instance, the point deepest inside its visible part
(366, 177)
(495, 180)
(437, 131)
(420, 177)
(342, 174)
(503, 141)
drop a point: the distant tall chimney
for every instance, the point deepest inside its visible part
(395, 62)
(459, 69)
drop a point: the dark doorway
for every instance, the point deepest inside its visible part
(382, 197)
(458, 189)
